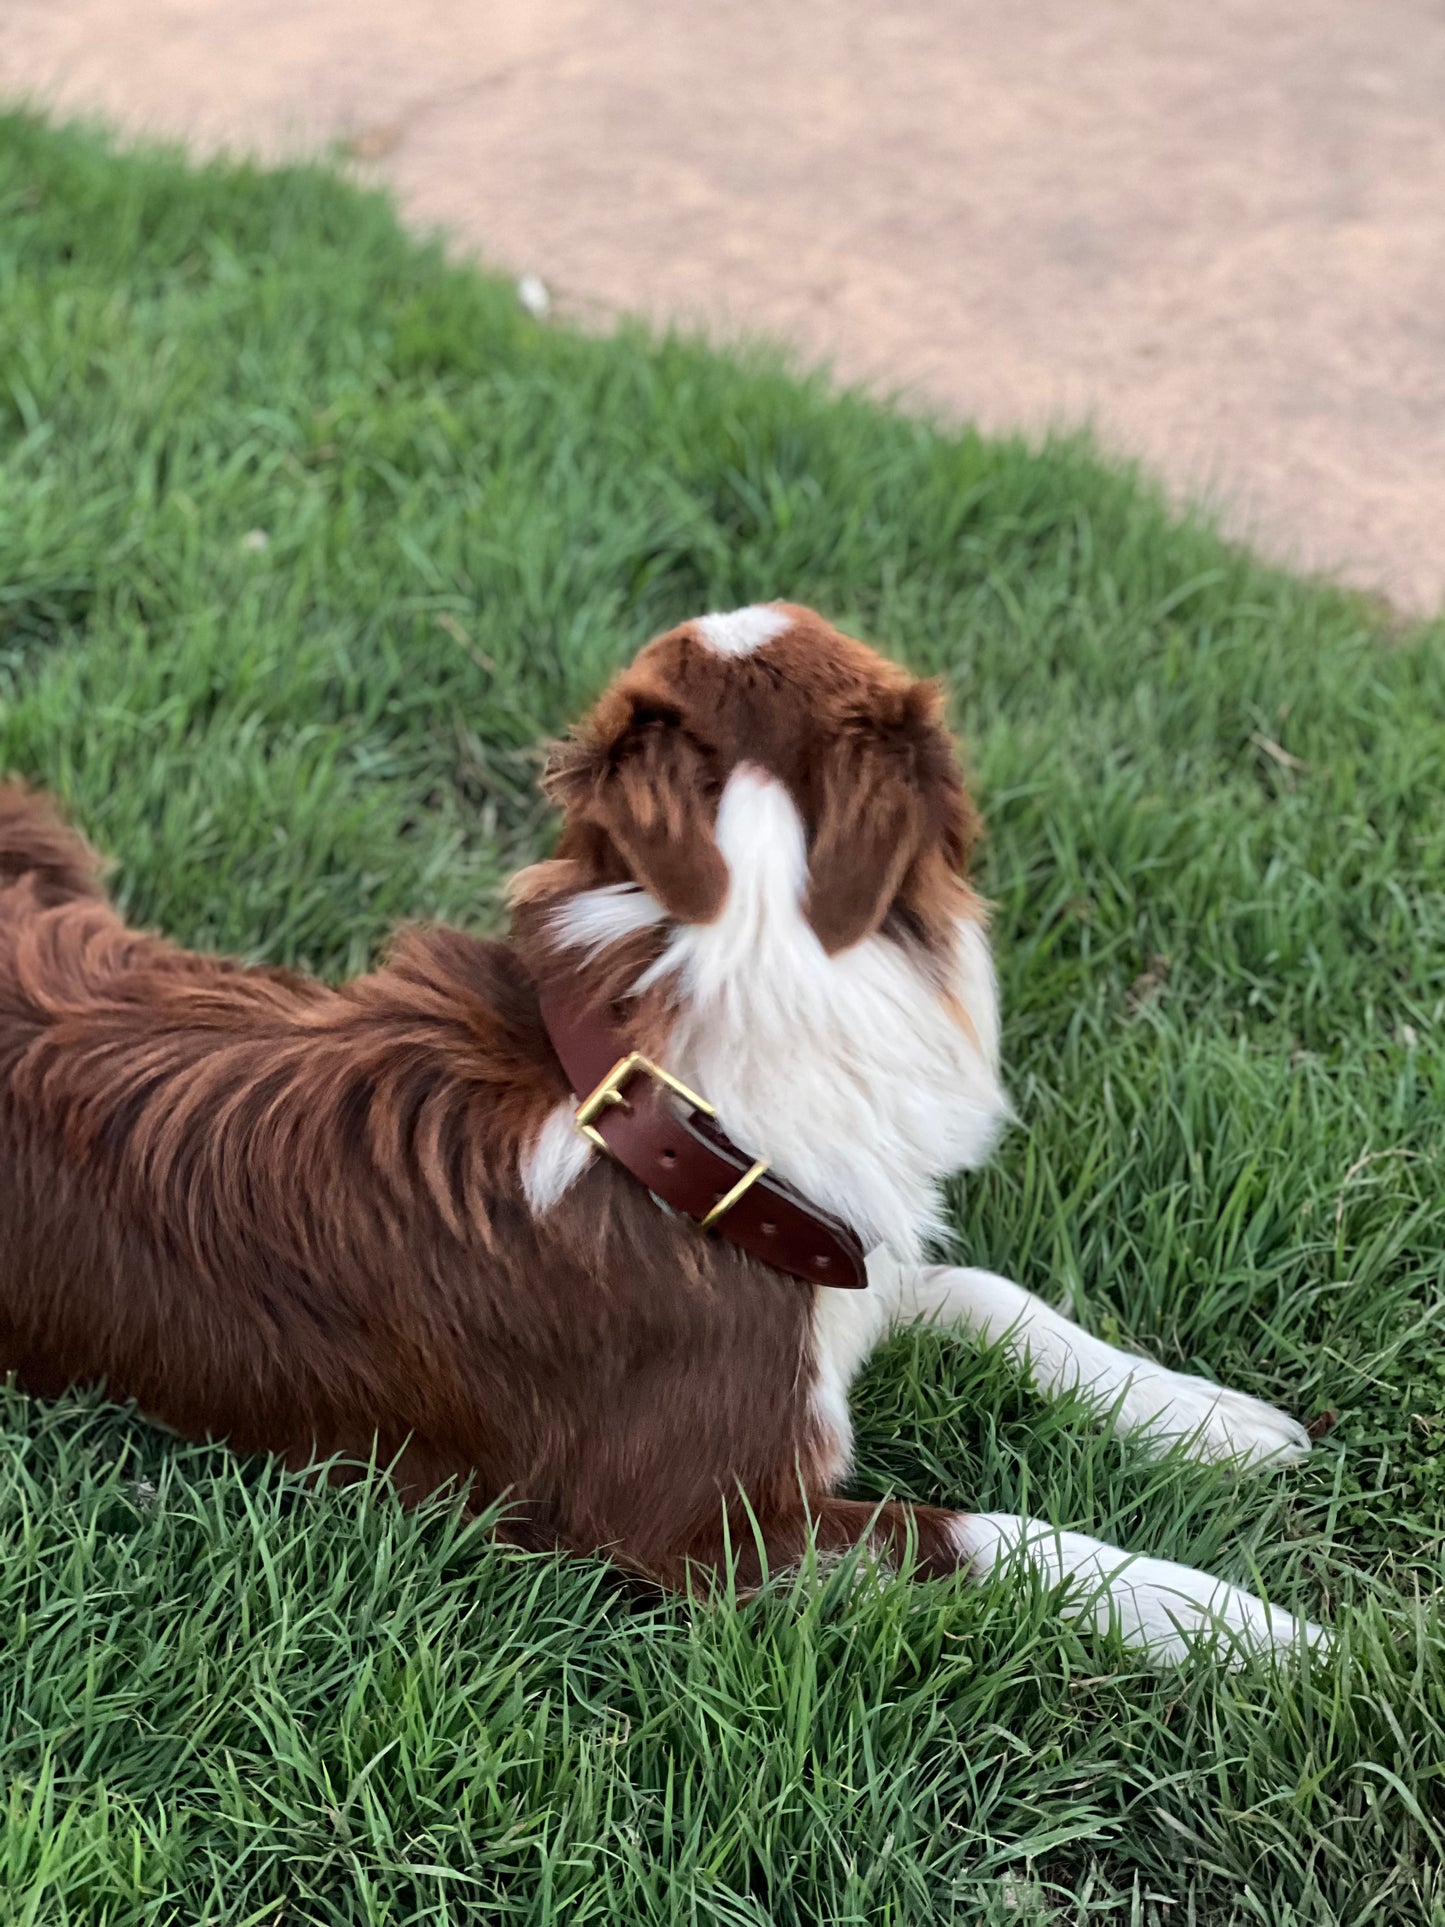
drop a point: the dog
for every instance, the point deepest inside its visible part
(600, 1222)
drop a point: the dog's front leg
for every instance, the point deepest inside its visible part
(1061, 1357)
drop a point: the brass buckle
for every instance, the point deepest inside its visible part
(610, 1091)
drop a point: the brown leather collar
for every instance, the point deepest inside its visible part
(666, 1136)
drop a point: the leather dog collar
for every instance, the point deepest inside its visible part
(668, 1138)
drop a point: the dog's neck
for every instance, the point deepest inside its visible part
(861, 1078)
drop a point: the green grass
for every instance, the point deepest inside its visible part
(226, 1696)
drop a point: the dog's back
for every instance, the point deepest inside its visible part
(295, 1217)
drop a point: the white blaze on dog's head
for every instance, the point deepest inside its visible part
(780, 809)
(742, 631)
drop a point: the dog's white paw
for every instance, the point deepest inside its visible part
(1164, 1609)
(1061, 1357)
(1215, 1423)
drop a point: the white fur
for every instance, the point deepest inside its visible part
(594, 919)
(848, 1073)
(1158, 1607)
(742, 631)
(558, 1157)
(847, 1325)
(1139, 1395)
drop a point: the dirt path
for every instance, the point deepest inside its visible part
(1219, 233)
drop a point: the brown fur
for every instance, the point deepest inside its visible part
(860, 745)
(291, 1216)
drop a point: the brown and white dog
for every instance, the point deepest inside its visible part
(314, 1220)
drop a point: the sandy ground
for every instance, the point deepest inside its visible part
(1218, 233)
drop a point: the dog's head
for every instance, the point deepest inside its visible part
(859, 746)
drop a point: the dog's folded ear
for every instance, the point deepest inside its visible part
(888, 811)
(639, 775)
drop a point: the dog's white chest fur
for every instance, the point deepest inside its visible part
(848, 1073)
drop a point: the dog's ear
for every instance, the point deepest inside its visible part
(888, 811)
(637, 774)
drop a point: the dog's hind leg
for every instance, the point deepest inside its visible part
(1061, 1357)
(1158, 1608)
